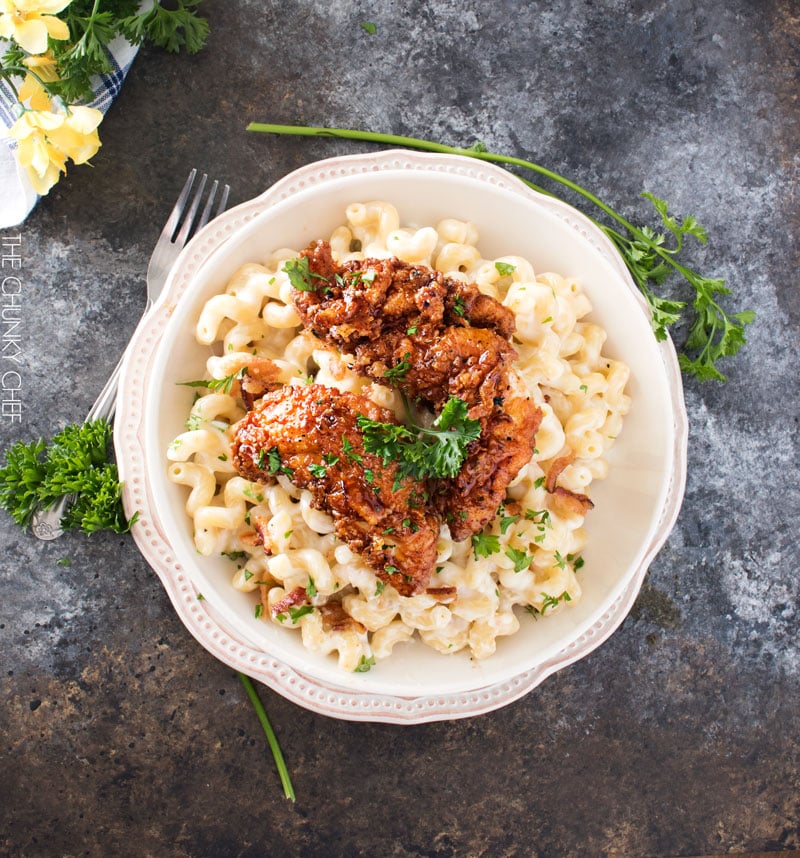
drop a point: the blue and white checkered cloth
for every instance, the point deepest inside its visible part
(17, 197)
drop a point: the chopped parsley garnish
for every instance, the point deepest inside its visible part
(276, 466)
(505, 268)
(318, 471)
(348, 450)
(506, 521)
(459, 307)
(218, 385)
(302, 278)
(520, 559)
(400, 370)
(538, 516)
(438, 451)
(484, 544)
(553, 601)
(296, 613)
(365, 664)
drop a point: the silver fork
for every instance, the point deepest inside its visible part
(179, 228)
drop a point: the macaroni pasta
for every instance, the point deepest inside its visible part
(280, 545)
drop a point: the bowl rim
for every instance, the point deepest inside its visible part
(208, 625)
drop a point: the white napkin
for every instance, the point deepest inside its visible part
(17, 196)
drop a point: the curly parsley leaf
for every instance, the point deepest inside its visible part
(399, 371)
(171, 29)
(302, 277)
(519, 558)
(74, 464)
(437, 451)
(485, 544)
(217, 385)
(20, 480)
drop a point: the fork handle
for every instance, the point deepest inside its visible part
(106, 402)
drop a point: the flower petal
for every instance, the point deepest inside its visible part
(45, 7)
(45, 119)
(44, 65)
(82, 119)
(75, 145)
(43, 183)
(34, 93)
(31, 35)
(21, 129)
(57, 28)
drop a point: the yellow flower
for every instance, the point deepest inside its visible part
(77, 136)
(47, 140)
(44, 65)
(31, 90)
(30, 22)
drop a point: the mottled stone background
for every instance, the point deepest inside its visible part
(120, 735)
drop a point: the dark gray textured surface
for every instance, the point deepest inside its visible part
(681, 735)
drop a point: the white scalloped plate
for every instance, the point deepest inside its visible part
(636, 506)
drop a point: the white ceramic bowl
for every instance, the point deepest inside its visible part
(635, 507)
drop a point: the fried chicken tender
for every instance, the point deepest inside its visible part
(471, 499)
(432, 337)
(310, 434)
(408, 326)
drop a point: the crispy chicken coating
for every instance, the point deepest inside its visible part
(310, 434)
(470, 501)
(433, 337)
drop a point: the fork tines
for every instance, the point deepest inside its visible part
(207, 213)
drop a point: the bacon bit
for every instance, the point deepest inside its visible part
(247, 537)
(261, 535)
(262, 376)
(298, 596)
(555, 471)
(335, 619)
(569, 502)
(443, 595)
(512, 507)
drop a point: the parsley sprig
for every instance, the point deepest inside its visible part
(714, 333)
(303, 278)
(422, 452)
(217, 385)
(74, 464)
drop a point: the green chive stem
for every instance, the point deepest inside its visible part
(280, 764)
